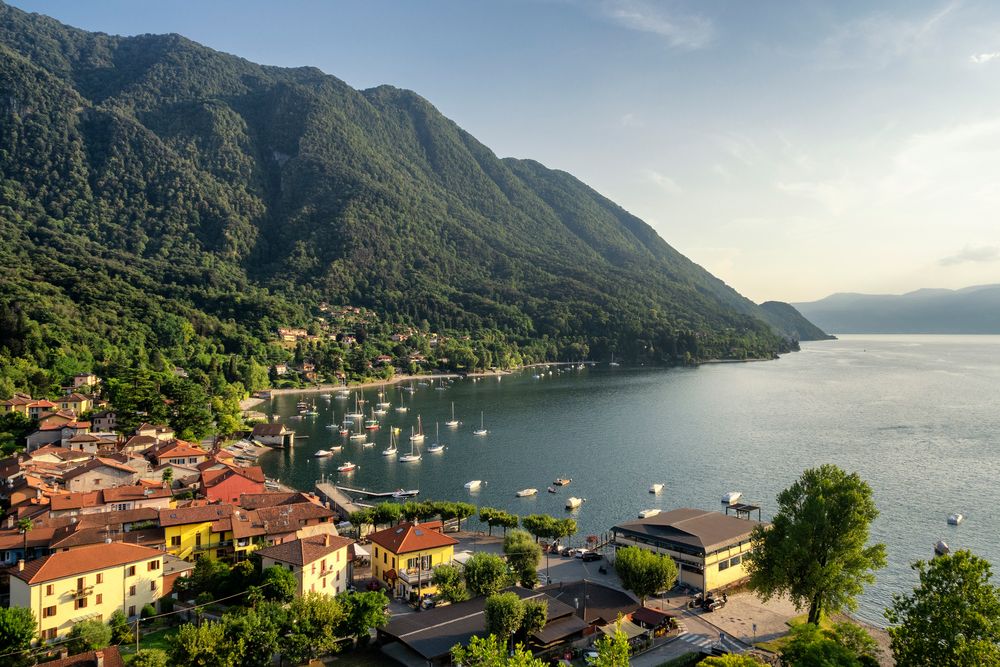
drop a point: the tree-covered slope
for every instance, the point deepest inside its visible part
(790, 320)
(161, 198)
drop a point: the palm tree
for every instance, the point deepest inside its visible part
(23, 526)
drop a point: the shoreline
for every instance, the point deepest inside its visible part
(253, 401)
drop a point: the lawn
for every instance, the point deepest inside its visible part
(157, 639)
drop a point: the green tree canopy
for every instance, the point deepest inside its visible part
(279, 584)
(644, 572)
(951, 618)
(362, 612)
(731, 660)
(150, 657)
(89, 635)
(311, 627)
(811, 646)
(449, 583)
(816, 548)
(205, 645)
(612, 650)
(492, 652)
(523, 555)
(504, 613)
(18, 630)
(486, 574)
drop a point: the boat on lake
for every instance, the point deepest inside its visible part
(405, 493)
(524, 493)
(562, 481)
(418, 435)
(573, 502)
(372, 424)
(956, 519)
(656, 488)
(414, 454)
(323, 452)
(645, 514)
(391, 451)
(347, 467)
(401, 407)
(474, 484)
(437, 446)
(482, 426)
(732, 497)
(452, 423)
(552, 489)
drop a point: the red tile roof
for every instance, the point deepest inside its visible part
(184, 515)
(407, 537)
(109, 657)
(306, 550)
(80, 561)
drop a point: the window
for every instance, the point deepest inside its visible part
(81, 583)
(324, 582)
(49, 634)
(385, 558)
(49, 611)
(100, 577)
(131, 610)
(338, 575)
(131, 589)
(152, 585)
(100, 598)
(50, 589)
(376, 552)
(197, 539)
(80, 603)
(735, 560)
(322, 565)
(130, 572)
(313, 571)
(192, 460)
(175, 541)
(723, 565)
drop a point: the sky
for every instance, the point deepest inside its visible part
(792, 149)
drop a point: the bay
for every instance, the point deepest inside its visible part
(918, 417)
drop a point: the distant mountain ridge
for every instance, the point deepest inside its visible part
(149, 180)
(971, 310)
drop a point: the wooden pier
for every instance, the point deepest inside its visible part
(378, 494)
(337, 499)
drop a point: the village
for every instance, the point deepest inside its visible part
(98, 522)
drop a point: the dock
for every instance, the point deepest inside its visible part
(377, 494)
(337, 499)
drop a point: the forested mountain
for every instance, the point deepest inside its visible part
(164, 203)
(972, 310)
(791, 321)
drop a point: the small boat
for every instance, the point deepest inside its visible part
(562, 481)
(536, 376)
(613, 363)
(452, 423)
(473, 485)
(732, 497)
(552, 490)
(326, 396)
(391, 451)
(656, 488)
(347, 467)
(524, 493)
(334, 425)
(343, 395)
(437, 446)
(941, 548)
(414, 454)
(645, 514)
(372, 424)
(405, 493)
(573, 502)
(323, 452)
(367, 443)
(956, 519)
(343, 429)
(418, 435)
(301, 405)
(482, 427)
(401, 407)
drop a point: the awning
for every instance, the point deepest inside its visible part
(560, 629)
(359, 550)
(651, 617)
(630, 629)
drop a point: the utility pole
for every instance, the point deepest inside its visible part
(137, 635)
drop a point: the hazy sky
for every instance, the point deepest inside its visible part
(794, 149)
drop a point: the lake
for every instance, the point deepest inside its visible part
(918, 417)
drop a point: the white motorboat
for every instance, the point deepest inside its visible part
(732, 497)
(956, 519)
(473, 485)
(573, 502)
(656, 488)
(347, 467)
(645, 514)
(562, 481)
(405, 493)
(524, 493)
(323, 452)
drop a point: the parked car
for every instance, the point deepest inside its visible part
(591, 556)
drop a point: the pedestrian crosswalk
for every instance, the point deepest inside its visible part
(701, 641)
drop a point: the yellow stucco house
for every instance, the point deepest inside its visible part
(404, 556)
(199, 532)
(319, 563)
(708, 547)
(87, 583)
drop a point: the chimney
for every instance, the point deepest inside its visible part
(99, 658)
(326, 540)
(20, 564)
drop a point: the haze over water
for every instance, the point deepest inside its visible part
(917, 416)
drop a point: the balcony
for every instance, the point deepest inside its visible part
(412, 574)
(82, 592)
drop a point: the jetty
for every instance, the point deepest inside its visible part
(338, 501)
(379, 494)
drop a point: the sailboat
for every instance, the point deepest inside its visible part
(417, 436)
(414, 454)
(613, 362)
(402, 406)
(382, 403)
(333, 421)
(360, 435)
(482, 427)
(452, 423)
(391, 451)
(372, 424)
(437, 446)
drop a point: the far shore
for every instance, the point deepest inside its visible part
(253, 401)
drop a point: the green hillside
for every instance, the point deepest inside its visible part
(162, 203)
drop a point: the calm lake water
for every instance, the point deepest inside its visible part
(917, 416)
